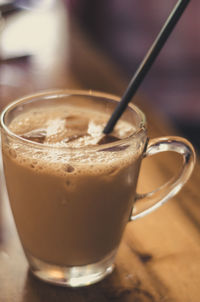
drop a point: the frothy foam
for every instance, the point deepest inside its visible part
(63, 126)
(70, 129)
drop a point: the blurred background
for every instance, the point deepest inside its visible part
(36, 33)
(126, 29)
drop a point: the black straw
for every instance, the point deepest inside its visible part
(147, 63)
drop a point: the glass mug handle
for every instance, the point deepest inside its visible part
(152, 200)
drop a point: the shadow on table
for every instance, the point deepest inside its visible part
(109, 289)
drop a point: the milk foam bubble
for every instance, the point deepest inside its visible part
(67, 131)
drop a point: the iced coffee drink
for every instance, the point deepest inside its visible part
(72, 188)
(70, 209)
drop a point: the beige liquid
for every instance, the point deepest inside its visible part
(70, 205)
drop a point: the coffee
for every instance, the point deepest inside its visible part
(71, 190)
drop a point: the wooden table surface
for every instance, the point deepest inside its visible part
(159, 257)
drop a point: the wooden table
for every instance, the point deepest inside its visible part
(159, 257)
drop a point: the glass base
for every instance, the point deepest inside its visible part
(75, 276)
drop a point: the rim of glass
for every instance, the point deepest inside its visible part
(59, 93)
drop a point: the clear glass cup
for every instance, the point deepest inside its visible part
(71, 205)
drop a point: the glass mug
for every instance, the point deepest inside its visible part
(71, 205)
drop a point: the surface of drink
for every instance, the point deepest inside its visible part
(71, 191)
